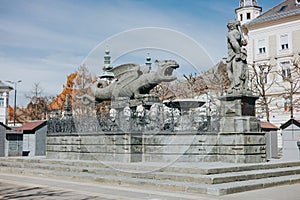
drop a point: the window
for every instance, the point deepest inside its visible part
(284, 41)
(265, 76)
(263, 73)
(248, 15)
(286, 73)
(286, 69)
(1, 102)
(242, 3)
(282, 8)
(262, 50)
(261, 44)
(241, 17)
(284, 46)
(286, 104)
(298, 2)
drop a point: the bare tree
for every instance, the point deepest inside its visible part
(83, 79)
(261, 82)
(189, 87)
(81, 86)
(291, 85)
(216, 79)
(163, 91)
(193, 85)
(36, 109)
(196, 85)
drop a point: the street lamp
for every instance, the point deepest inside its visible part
(15, 103)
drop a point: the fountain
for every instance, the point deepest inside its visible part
(187, 122)
(138, 127)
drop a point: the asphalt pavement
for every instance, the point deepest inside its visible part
(26, 187)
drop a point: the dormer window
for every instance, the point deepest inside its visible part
(282, 8)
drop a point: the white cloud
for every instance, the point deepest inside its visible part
(49, 72)
(44, 41)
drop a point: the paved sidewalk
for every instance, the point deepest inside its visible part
(25, 187)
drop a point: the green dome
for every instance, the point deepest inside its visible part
(106, 74)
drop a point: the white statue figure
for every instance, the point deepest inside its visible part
(140, 111)
(154, 112)
(127, 113)
(112, 114)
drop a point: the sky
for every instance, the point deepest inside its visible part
(42, 41)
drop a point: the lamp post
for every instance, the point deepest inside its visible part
(15, 103)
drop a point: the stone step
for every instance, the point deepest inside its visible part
(253, 174)
(213, 189)
(157, 175)
(242, 186)
(188, 168)
(109, 171)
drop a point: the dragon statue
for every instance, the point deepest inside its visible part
(131, 81)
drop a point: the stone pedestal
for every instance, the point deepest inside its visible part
(240, 139)
(238, 105)
(238, 113)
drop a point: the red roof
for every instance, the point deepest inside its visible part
(268, 125)
(30, 126)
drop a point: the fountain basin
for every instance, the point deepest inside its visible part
(184, 104)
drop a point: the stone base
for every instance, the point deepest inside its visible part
(102, 147)
(240, 139)
(243, 124)
(242, 147)
(161, 147)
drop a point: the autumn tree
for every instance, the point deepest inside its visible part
(77, 84)
(59, 101)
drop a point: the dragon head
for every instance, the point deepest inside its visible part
(165, 70)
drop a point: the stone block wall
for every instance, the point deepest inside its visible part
(160, 147)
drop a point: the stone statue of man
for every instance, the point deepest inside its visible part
(237, 68)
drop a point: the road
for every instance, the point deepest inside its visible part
(26, 187)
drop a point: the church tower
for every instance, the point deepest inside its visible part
(106, 70)
(247, 11)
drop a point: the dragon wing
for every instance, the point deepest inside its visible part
(126, 73)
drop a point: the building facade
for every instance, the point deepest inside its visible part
(247, 11)
(273, 52)
(4, 97)
(34, 138)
